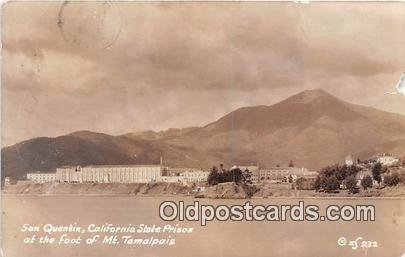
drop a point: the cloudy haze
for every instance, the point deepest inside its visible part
(177, 64)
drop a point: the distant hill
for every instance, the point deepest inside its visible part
(312, 128)
(161, 135)
(84, 148)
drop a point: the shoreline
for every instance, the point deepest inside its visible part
(192, 196)
(175, 190)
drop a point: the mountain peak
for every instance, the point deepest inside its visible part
(308, 96)
(315, 91)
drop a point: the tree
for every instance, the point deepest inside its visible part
(235, 175)
(304, 184)
(340, 172)
(221, 168)
(247, 177)
(213, 177)
(321, 181)
(351, 184)
(402, 178)
(291, 164)
(352, 170)
(392, 179)
(317, 183)
(367, 182)
(332, 184)
(376, 171)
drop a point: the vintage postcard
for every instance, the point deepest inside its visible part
(202, 128)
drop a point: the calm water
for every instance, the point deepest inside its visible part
(222, 239)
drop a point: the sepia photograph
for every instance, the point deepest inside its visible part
(202, 128)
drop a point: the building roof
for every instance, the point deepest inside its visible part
(285, 168)
(384, 155)
(183, 169)
(112, 165)
(39, 172)
(123, 166)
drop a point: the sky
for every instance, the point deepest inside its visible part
(131, 66)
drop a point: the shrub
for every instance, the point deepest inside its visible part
(367, 182)
(331, 184)
(392, 179)
(351, 184)
(331, 177)
(376, 170)
(215, 177)
(402, 177)
(305, 184)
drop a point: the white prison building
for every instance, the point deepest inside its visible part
(41, 177)
(110, 174)
(279, 173)
(387, 160)
(191, 176)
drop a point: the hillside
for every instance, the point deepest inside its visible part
(84, 148)
(312, 128)
(161, 135)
